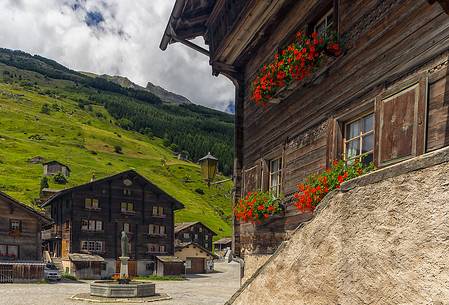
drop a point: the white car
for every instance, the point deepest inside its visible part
(52, 273)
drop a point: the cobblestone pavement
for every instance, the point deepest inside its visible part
(204, 289)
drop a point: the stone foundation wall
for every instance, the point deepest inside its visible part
(383, 239)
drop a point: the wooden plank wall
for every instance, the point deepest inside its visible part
(387, 41)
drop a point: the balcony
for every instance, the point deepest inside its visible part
(50, 234)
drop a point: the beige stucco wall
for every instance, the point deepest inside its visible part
(190, 251)
(252, 263)
(383, 243)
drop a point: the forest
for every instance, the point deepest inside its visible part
(187, 129)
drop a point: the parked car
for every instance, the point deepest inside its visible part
(52, 273)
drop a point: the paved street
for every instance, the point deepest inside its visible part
(207, 289)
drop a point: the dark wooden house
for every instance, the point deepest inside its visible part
(20, 231)
(194, 232)
(387, 95)
(56, 167)
(89, 219)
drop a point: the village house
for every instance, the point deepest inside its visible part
(194, 232)
(89, 218)
(380, 89)
(55, 167)
(197, 258)
(222, 245)
(20, 241)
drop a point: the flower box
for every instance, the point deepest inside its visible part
(292, 65)
(257, 207)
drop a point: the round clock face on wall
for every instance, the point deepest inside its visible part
(127, 182)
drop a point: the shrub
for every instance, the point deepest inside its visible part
(44, 183)
(199, 191)
(315, 187)
(60, 179)
(257, 206)
(45, 109)
(118, 149)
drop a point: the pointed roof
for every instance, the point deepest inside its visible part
(25, 207)
(180, 246)
(184, 225)
(132, 172)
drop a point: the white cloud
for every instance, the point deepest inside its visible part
(125, 42)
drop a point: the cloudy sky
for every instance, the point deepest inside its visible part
(116, 37)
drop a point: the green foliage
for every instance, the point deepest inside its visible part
(68, 276)
(118, 149)
(60, 179)
(45, 109)
(44, 183)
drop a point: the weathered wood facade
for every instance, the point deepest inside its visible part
(194, 232)
(90, 218)
(392, 78)
(20, 228)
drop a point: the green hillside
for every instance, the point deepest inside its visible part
(57, 119)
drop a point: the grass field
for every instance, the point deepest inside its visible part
(84, 139)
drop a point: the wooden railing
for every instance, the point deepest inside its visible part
(13, 272)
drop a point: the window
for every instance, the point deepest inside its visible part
(9, 251)
(153, 248)
(325, 23)
(196, 236)
(206, 245)
(158, 211)
(127, 192)
(186, 235)
(91, 204)
(127, 207)
(200, 229)
(161, 248)
(156, 229)
(91, 225)
(15, 225)
(206, 237)
(94, 246)
(275, 167)
(359, 139)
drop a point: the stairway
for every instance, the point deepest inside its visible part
(58, 263)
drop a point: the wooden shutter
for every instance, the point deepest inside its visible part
(251, 178)
(400, 123)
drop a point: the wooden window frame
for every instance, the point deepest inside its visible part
(7, 254)
(95, 222)
(89, 204)
(160, 211)
(278, 173)
(360, 136)
(94, 244)
(19, 222)
(129, 208)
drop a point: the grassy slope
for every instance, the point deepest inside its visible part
(86, 143)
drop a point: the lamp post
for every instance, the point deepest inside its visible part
(208, 168)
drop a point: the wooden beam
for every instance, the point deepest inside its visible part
(444, 4)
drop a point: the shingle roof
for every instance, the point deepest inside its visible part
(43, 218)
(184, 225)
(223, 241)
(169, 259)
(178, 205)
(80, 257)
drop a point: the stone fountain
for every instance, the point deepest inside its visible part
(124, 287)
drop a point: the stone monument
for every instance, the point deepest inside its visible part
(124, 275)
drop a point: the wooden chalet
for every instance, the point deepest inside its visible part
(194, 232)
(20, 231)
(386, 95)
(89, 218)
(56, 167)
(197, 258)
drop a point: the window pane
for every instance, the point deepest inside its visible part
(367, 143)
(368, 159)
(162, 230)
(274, 166)
(353, 130)
(353, 148)
(84, 225)
(274, 180)
(99, 226)
(87, 203)
(123, 206)
(368, 123)
(2, 250)
(95, 203)
(13, 250)
(130, 207)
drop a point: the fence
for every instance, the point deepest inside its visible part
(14, 272)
